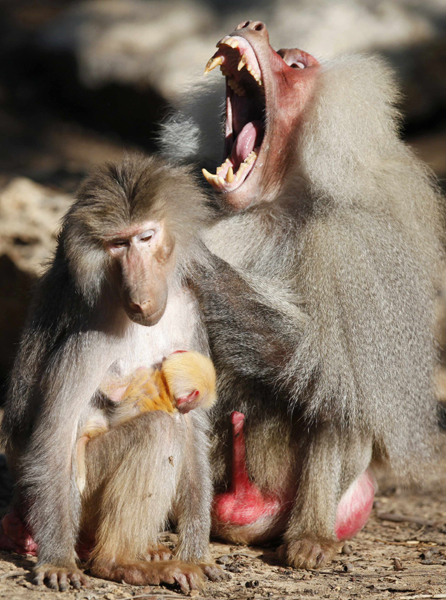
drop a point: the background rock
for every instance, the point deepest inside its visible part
(30, 216)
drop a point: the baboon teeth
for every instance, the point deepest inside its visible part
(234, 85)
(253, 72)
(242, 63)
(228, 41)
(213, 62)
(214, 180)
(251, 157)
(247, 59)
(219, 182)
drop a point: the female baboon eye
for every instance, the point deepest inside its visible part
(147, 235)
(114, 245)
(118, 244)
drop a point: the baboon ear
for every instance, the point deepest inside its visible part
(186, 403)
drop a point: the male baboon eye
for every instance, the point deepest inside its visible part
(147, 235)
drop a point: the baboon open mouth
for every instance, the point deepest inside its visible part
(245, 112)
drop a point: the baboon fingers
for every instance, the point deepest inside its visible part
(60, 578)
(38, 579)
(187, 576)
(63, 582)
(53, 581)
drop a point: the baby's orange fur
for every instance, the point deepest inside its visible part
(186, 380)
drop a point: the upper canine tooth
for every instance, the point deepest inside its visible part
(212, 63)
(242, 63)
(230, 175)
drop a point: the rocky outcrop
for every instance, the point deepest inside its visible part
(29, 221)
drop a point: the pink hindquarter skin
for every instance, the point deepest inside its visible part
(355, 506)
(244, 504)
(15, 536)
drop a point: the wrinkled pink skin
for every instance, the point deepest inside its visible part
(16, 537)
(242, 504)
(245, 504)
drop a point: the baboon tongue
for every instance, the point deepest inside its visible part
(249, 138)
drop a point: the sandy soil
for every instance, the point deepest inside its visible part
(388, 559)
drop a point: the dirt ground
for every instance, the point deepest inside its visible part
(401, 559)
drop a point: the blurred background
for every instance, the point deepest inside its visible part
(81, 81)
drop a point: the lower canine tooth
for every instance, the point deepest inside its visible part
(212, 179)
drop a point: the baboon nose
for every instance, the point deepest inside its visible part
(253, 26)
(138, 308)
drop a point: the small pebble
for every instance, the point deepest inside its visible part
(234, 569)
(223, 560)
(252, 584)
(397, 566)
(429, 553)
(348, 567)
(347, 549)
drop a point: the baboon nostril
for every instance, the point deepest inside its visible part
(136, 308)
(242, 25)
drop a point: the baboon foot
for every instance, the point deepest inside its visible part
(59, 578)
(188, 576)
(307, 553)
